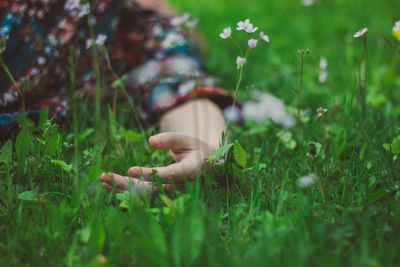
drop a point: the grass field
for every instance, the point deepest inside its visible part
(54, 212)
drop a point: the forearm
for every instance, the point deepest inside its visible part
(199, 118)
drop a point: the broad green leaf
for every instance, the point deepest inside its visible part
(113, 126)
(53, 144)
(82, 136)
(396, 145)
(387, 147)
(85, 234)
(239, 154)
(129, 134)
(22, 145)
(220, 152)
(63, 165)
(29, 196)
(97, 235)
(43, 117)
(167, 201)
(6, 152)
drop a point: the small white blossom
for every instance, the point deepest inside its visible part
(226, 33)
(307, 180)
(322, 76)
(101, 38)
(321, 112)
(231, 113)
(307, 2)
(89, 43)
(242, 25)
(240, 61)
(264, 37)
(267, 107)
(360, 32)
(252, 43)
(251, 29)
(396, 27)
(323, 63)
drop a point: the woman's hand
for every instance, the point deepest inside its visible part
(188, 152)
(191, 132)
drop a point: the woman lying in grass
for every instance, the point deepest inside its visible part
(144, 40)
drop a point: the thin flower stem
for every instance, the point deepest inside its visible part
(126, 95)
(365, 79)
(300, 86)
(73, 62)
(11, 77)
(238, 82)
(324, 141)
(96, 65)
(236, 43)
(321, 189)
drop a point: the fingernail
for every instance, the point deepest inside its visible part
(156, 140)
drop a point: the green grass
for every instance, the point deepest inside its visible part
(54, 212)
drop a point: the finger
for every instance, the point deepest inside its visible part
(173, 141)
(174, 173)
(111, 178)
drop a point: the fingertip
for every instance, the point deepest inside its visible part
(155, 141)
(133, 171)
(103, 176)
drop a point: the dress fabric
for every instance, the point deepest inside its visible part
(161, 62)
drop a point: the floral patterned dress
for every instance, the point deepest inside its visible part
(161, 63)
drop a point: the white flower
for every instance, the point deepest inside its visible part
(251, 29)
(89, 43)
(321, 112)
(307, 2)
(396, 27)
(322, 76)
(240, 61)
(307, 180)
(231, 114)
(226, 33)
(264, 37)
(252, 43)
(242, 25)
(323, 63)
(360, 32)
(101, 39)
(267, 107)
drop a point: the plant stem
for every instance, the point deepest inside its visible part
(96, 65)
(365, 111)
(126, 95)
(10, 76)
(73, 61)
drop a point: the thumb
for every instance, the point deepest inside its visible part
(173, 141)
